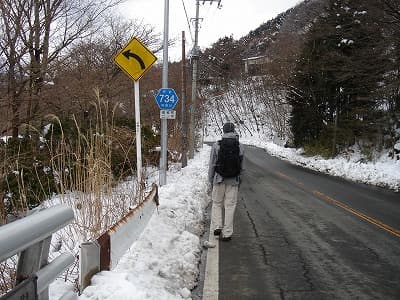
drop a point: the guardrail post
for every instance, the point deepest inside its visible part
(89, 263)
(32, 260)
(27, 289)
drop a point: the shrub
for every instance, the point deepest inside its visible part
(71, 155)
(27, 179)
(318, 148)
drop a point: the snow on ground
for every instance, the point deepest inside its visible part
(385, 172)
(163, 262)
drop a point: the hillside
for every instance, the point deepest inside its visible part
(291, 24)
(277, 40)
(324, 74)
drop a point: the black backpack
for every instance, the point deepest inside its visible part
(228, 161)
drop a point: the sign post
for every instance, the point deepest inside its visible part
(164, 123)
(135, 59)
(166, 99)
(138, 134)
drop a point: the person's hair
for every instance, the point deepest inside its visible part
(228, 127)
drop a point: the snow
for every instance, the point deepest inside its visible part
(384, 172)
(346, 42)
(6, 138)
(364, 12)
(163, 262)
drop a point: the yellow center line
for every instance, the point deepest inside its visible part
(298, 183)
(322, 196)
(358, 213)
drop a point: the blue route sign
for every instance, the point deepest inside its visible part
(166, 98)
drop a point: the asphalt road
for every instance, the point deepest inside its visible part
(303, 235)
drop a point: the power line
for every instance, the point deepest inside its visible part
(210, 12)
(195, 57)
(187, 19)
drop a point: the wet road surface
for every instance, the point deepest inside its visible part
(303, 235)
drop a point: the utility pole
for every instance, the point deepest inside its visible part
(195, 58)
(183, 96)
(164, 124)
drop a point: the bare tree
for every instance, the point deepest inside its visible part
(36, 32)
(12, 51)
(88, 65)
(120, 31)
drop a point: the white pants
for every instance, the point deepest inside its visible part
(224, 195)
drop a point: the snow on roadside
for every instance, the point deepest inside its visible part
(163, 262)
(384, 173)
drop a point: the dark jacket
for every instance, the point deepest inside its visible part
(215, 178)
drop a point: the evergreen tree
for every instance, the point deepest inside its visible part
(390, 101)
(337, 76)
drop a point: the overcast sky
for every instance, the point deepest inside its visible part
(235, 18)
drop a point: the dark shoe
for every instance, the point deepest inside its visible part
(217, 231)
(226, 238)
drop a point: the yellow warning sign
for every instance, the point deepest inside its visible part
(135, 59)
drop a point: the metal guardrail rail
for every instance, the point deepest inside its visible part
(30, 238)
(105, 252)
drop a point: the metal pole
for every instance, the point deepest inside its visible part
(138, 135)
(164, 124)
(194, 83)
(183, 96)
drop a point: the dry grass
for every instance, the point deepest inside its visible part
(88, 187)
(85, 181)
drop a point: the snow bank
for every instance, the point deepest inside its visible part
(163, 263)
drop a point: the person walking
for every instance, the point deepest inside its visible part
(225, 167)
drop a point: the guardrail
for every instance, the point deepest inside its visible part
(104, 253)
(30, 237)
